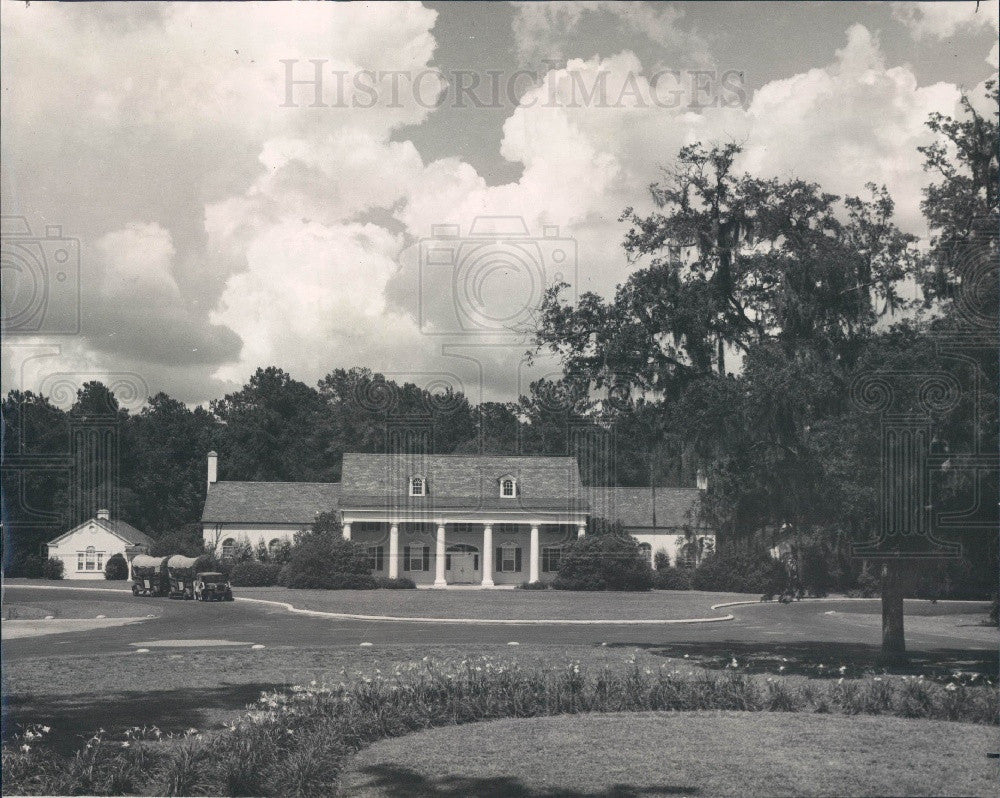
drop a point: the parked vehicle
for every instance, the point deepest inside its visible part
(212, 586)
(181, 573)
(149, 576)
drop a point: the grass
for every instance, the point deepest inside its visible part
(82, 608)
(694, 753)
(512, 604)
(295, 742)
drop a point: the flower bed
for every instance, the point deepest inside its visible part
(295, 742)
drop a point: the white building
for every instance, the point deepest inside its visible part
(455, 519)
(86, 548)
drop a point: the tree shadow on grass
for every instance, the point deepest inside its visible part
(805, 658)
(73, 719)
(391, 781)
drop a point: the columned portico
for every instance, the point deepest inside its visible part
(488, 555)
(346, 530)
(439, 558)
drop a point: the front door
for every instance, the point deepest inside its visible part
(463, 567)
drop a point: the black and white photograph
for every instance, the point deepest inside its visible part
(500, 399)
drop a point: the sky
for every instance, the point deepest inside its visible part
(192, 191)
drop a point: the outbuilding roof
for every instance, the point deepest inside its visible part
(121, 529)
(269, 502)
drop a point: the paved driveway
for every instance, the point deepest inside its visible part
(840, 626)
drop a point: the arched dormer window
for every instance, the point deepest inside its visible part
(508, 487)
(418, 486)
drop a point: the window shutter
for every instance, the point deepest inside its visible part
(499, 560)
(406, 558)
(517, 559)
(427, 558)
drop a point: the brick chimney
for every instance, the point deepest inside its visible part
(103, 515)
(213, 468)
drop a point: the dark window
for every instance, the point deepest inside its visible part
(416, 558)
(550, 559)
(375, 558)
(508, 559)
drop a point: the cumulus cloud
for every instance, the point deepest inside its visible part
(943, 20)
(545, 31)
(230, 232)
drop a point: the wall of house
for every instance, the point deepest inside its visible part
(670, 542)
(522, 540)
(251, 533)
(105, 544)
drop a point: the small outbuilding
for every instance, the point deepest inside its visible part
(86, 549)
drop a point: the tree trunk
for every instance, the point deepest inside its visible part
(893, 641)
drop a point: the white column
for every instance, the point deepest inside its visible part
(581, 530)
(439, 580)
(533, 559)
(487, 555)
(346, 530)
(393, 551)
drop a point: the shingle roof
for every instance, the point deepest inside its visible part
(466, 481)
(269, 502)
(646, 507)
(127, 532)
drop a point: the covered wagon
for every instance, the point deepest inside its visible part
(181, 572)
(149, 576)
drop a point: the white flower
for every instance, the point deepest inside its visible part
(46, 729)
(25, 748)
(951, 687)
(842, 669)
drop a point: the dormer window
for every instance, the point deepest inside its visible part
(508, 487)
(418, 486)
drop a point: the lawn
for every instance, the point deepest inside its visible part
(504, 604)
(695, 753)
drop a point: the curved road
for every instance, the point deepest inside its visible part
(822, 624)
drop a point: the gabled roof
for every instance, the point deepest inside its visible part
(118, 528)
(653, 508)
(269, 502)
(461, 481)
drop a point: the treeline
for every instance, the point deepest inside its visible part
(280, 429)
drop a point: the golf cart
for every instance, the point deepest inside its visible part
(212, 586)
(149, 576)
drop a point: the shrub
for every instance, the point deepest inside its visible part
(187, 541)
(869, 585)
(324, 580)
(606, 561)
(116, 568)
(53, 568)
(400, 583)
(672, 579)
(323, 560)
(533, 586)
(739, 572)
(209, 562)
(661, 560)
(254, 574)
